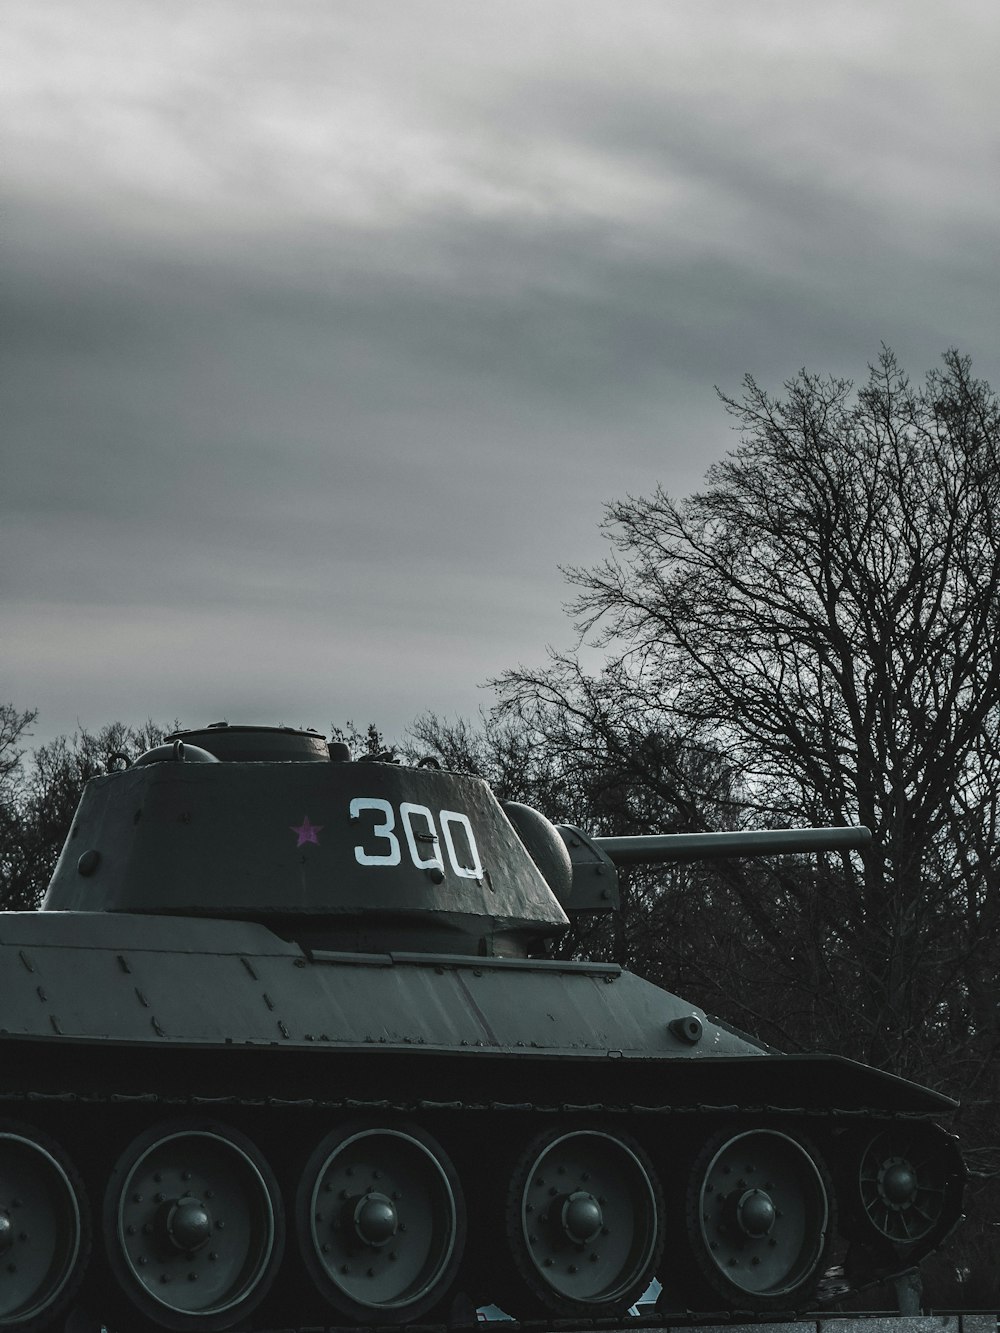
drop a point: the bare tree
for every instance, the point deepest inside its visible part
(13, 733)
(824, 613)
(41, 796)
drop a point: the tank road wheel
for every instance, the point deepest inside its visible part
(759, 1218)
(193, 1226)
(44, 1230)
(583, 1224)
(909, 1186)
(381, 1222)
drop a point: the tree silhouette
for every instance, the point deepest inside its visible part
(824, 614)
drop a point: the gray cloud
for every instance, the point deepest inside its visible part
(330, 328)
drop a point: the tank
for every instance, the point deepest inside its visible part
(287, 1044)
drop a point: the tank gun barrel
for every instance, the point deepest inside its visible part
(650, 849)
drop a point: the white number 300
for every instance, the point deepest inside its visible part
(423, 843)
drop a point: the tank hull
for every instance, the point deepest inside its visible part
(116, 1029)
(159, 983)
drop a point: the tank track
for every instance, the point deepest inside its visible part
(197, 1102)
(52, 1107)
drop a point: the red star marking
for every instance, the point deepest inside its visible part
(307, 832)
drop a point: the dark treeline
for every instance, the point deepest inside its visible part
(39, 792)
(810, 639)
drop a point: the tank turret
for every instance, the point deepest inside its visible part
(271, 825)
(287, 1042)
(280, 830)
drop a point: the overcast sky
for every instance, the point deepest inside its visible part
(330, 326)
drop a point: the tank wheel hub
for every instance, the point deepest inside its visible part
(897, 1182)
(754, 1213)
(186, 1223)
(43, 1229)
(194, 1214)
(380, 1222)
(760, 1216)
(582, 1226)
(375, 1219)
(581, 1217)
(909, 1181)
